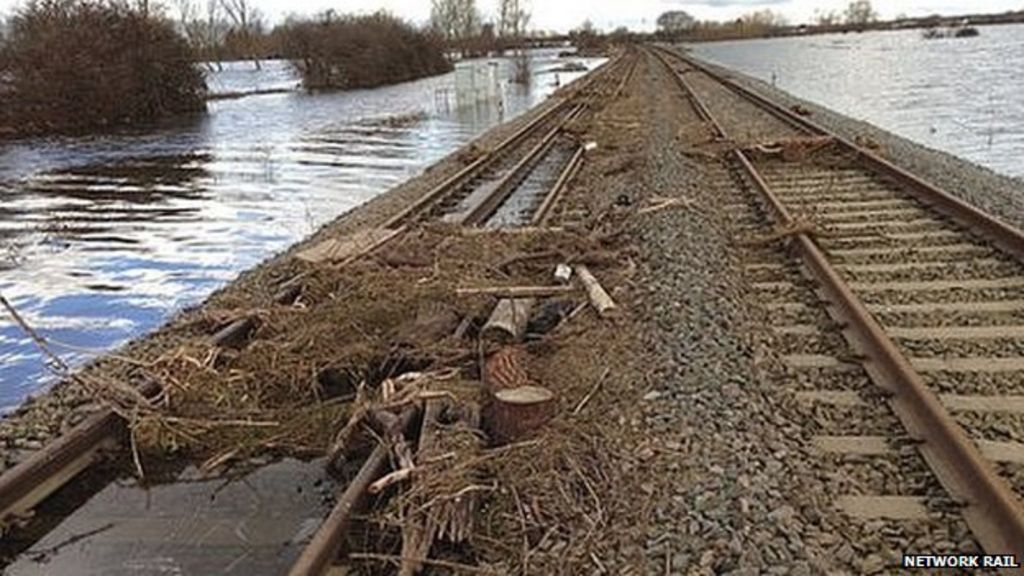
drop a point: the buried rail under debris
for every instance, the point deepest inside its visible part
(45, 471)
(991, 509)
(323, 549)
(318, 556)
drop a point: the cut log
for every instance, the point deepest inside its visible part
(516, 413)
(506, 369)
(509, 319)
(599, 298)
(516, 291)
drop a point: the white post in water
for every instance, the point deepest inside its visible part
(476, 81)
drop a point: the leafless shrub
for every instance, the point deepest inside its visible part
(343, 52)
(78, 65)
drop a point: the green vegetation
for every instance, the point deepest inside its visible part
(69, 66)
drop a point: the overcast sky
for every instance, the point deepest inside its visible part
(638, 14)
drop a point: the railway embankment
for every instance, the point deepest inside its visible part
(647, 372)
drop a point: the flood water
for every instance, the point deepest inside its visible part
(104, 238)
(964, 96)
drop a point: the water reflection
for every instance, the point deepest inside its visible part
(256, 524)
(962, 96)
(103, 238)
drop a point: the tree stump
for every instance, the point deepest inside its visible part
(516, 413)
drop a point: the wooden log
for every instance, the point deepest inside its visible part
(235, 334)
(599, 298)
(518, 231)
(516, 291)
(516, 413)
(350, 439)
(506, 369)
(419, 531)
(509, 319)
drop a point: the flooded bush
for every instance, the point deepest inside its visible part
(71, 66)
(342, 52)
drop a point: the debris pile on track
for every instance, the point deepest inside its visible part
(393, 330)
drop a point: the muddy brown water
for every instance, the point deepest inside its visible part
(103, 238)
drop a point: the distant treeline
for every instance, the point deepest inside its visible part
(74, 66)
(858, 16)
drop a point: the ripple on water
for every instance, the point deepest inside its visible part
(103, 238)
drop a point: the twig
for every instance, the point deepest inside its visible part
(593, 391)
(526, 538)
(214, 423)
(392, 478)
(39, 340)
(41, 555)
(135, 454)
(441, 563)
(659, 204)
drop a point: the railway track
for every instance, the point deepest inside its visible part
(516, 183)
(481, 197)
(882, 276)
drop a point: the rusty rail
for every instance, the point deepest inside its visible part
(324, 548)
(1005, 236)
(317, 557)
(543, 212)
(34, 479)
(990, 507)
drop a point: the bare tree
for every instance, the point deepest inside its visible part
(860, 12)
(443, 19)
(457, 21)
(204, 29)
(763, 19)
(513, 19)
(827, 17)
(246, 24)
(675, 22)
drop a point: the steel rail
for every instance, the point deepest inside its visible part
(479, 214)
(317, 557)
(989, 506)
(543, 212)
(479, 164)
(1002, 234)
(34, 479)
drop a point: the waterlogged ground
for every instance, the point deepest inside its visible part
(103, 238)
(964, 96)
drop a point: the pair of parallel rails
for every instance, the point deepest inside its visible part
(927, 289)
(470, 197)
